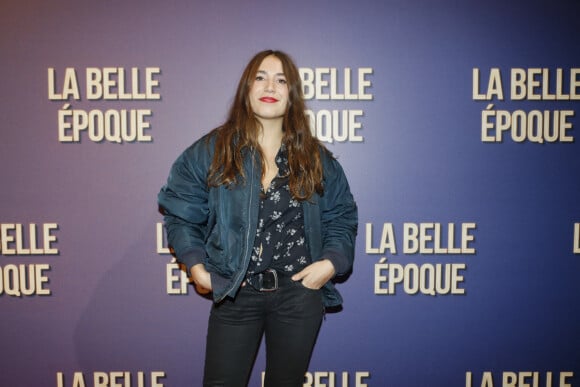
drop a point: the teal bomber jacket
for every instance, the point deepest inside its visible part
(216, 226)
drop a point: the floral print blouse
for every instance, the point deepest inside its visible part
(280, 242)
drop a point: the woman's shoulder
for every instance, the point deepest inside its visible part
(203, 146)
(327, 158)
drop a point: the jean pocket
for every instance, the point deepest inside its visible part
(299, 283)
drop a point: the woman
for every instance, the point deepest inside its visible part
(262, 216)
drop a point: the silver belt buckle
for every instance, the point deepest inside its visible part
(269, 281)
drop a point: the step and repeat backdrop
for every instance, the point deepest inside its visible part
(457, 123)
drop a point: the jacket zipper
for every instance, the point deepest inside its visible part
(250, 201)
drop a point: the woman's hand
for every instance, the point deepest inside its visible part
(315, 275)
(201, 277)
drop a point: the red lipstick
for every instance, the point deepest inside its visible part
(268, 99)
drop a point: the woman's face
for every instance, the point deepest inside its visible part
(269, 91)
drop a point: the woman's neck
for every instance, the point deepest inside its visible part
(270, 137)
(270, 140)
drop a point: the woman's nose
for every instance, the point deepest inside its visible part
(270, 86)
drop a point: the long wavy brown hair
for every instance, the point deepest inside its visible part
(240, 133)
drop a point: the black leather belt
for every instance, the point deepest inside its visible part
(266, 281)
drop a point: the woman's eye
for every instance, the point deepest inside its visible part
(282, 81)
(259, 78)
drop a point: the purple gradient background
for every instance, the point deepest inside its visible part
(422, 161)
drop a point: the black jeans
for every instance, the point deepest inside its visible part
(290, 318)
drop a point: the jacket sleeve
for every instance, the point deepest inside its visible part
(184, 202)
(339, 215)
